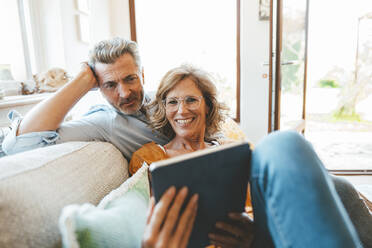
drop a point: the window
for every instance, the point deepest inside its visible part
(203, 33)
(15, 60)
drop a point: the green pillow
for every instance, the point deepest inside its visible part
(118, 221)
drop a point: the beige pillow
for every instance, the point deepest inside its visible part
(232, 130)
(119, 220)
(36, 185)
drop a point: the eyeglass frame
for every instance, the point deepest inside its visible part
(179, 100)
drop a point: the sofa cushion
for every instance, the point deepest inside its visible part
(36, 185)
(118, 221)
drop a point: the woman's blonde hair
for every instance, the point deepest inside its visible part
(203, 80)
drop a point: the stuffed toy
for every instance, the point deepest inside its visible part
(49, 81)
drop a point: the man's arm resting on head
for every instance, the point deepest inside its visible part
(48, 115)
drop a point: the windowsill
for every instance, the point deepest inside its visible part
(21, 100)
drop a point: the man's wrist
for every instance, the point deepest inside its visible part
(87, 77)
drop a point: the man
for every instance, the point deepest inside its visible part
(115, 67)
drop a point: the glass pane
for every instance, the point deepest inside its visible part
(292, 60)
(339, 92)
(203, 33)
(12, 62)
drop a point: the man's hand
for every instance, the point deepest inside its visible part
(165, 227)
(239, 232)
(87, 75)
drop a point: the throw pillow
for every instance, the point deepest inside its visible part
(118, 221)
(232, 130)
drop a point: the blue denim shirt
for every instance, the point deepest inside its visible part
(102, 123)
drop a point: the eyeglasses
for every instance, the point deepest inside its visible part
(190, 102)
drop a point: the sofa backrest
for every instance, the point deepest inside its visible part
(36, 185)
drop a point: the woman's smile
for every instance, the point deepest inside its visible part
(184, 122)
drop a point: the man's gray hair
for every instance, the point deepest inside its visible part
(108, 51)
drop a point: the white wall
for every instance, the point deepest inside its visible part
(120, 20)
(254, 45)
(47, 34)
(75, 51)
(100, 28)
(56, 30)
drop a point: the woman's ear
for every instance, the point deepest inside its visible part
(143, 76)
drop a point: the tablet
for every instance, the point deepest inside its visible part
(219, 175)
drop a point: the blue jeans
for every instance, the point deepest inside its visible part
(294, 200)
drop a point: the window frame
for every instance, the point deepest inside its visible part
(133, 31)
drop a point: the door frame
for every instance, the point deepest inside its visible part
(275, 63)
(274, 95)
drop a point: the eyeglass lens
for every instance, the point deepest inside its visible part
(191, 102)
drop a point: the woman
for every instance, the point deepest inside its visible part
(295, 202)
(187, 111)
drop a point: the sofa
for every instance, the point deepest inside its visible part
(37, 184)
